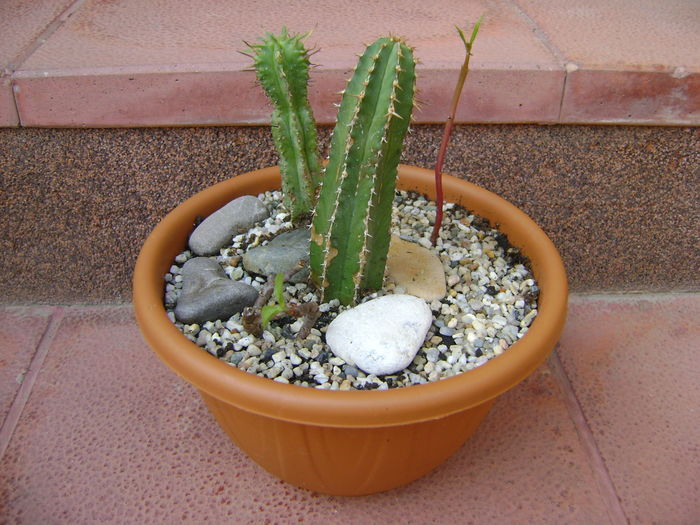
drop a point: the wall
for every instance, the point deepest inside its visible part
(621, 203)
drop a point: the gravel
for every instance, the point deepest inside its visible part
(490, 303)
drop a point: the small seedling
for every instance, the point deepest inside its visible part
(256, 318)
(270, 311)
(449, 124)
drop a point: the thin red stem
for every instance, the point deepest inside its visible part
(439, 197)
(449, 124)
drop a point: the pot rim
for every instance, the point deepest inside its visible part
(350, 409)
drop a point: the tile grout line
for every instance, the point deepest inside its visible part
(540, 34)
(17, 408)
(563, 93)
(45, 34)
(549, 45)
(606, 487)
(16, 106)
(40, 40)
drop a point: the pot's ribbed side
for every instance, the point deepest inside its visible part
(346, 461)
(363, 409)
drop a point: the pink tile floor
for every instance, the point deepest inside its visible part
(96, 430)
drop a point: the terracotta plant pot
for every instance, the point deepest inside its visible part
(352, 442)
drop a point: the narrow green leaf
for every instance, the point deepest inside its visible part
(279, 290)
(475, 30)
(268, 312)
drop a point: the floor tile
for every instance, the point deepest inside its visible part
(22, 22)
(633, 364)
(110, 435)
(127, 63)
(110, 64)
(120, 34)
(21, 329)
(162, 98)
(632, 61)
(627, 34)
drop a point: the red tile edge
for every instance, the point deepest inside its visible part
(631, 97)
(491, 96)
(8, 110)
(12, 419)
(606, 488)
(117, 97)
(123, 99)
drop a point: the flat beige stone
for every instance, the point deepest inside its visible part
(416, 269)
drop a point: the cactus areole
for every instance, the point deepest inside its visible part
(351, 225)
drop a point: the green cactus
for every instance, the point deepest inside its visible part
(351, 225)
(282, 66)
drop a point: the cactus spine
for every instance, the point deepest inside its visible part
(282, 66)
(351, 225)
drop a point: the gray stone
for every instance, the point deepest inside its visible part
(280, 255)
(236, 217)
(236, 358)
(207, 294)
(350, 371)
(447, 331)
(381, 336)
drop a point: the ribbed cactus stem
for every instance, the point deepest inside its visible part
(351, 226)
(282, 66)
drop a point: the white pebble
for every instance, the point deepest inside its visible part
(381, 336)
(452, 279)
(432, 354)
(253, 350)
(233, 326)
(425, 243)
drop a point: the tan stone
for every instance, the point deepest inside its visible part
(416, 269)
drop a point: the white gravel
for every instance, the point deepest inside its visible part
(490, 303)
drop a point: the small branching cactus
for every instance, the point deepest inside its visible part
(282, 66)
(351, 225)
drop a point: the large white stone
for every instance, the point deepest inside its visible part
(381, 336)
